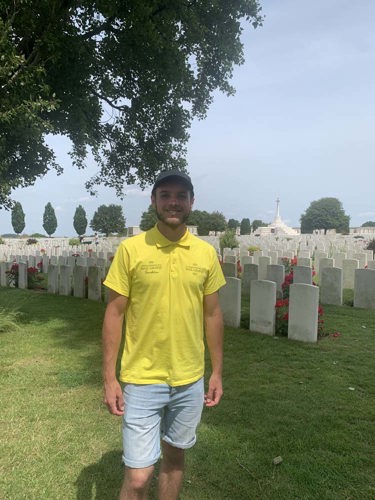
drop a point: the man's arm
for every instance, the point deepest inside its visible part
(112, 333)
(213, 320)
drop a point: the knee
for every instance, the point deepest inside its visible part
(137, 480)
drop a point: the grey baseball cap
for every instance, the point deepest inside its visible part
(169, 175)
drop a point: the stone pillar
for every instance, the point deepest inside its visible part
(65, 281)
(230, 259)
(53, 279)
(230, 302)
(262, 307)
(250, 273)
(264, 261)
(3, 274)
(94, 291)
(304, 261)
(22, 275)
(229, 269)
(303, 312)
(323, 263)
(246, 259)
(362, 258)
(276, 273)
(330, 288)
(79, 281)
(45, 264)
(349, 266)
(364, 288)
(302, 274)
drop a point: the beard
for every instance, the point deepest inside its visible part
(181, 218)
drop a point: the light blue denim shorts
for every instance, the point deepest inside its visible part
(159, 411)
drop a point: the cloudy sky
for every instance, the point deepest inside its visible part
(300, 127)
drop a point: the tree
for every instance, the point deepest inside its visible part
(326, 213)
(369, 223)
(258, 223)
(18, 218)
(233, 224)
(148, 219)
(80, 220)
(49, 219)
(228, 239)
(207, 222)
(123, 80)
(108, 219)
(245, 226)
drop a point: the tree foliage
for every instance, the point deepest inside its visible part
(206, 222)
(369, 223)
(148, 219)
(233, 224)
(80, 220)
(228, 239)
(245, 226)
(49, 219)
(326, 213)
(108, 219)
(18, 218)
(120, 79)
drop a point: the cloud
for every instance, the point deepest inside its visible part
(59, 209)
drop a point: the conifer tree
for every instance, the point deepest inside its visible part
(80, 221)
(49, 219)
(18, 218)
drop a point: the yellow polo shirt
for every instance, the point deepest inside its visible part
(165, 282)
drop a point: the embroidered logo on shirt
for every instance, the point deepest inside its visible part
(151, 268)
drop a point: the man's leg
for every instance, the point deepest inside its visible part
(136, 483)
(171, 472)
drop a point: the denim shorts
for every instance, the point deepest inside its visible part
(159, 411)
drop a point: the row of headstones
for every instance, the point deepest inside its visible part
(365, 258)
(303, 304)
(79, 281)
(302, 271)
(332, 281)
(100, 260)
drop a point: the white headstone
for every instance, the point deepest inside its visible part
(330, 288)
(303, 312)
(262, 306)
(364, 288)
(230, 302)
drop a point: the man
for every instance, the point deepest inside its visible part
(165, 281)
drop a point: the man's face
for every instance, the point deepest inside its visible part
(172, 202)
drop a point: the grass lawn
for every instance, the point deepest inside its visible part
(312, 405)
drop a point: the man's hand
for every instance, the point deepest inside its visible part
(113, 398)
(215, 391)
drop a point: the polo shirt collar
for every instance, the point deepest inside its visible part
(161, 241)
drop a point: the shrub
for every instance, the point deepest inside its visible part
(228, 239)
(74, 242)
(2, 242)
(31, 241)
(253, 249)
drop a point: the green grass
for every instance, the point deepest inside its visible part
(281, 398)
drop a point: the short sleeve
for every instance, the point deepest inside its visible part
(215, 278)
(118, 276)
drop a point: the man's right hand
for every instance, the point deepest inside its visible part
(113, 398)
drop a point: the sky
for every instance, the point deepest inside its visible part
(300, 127)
